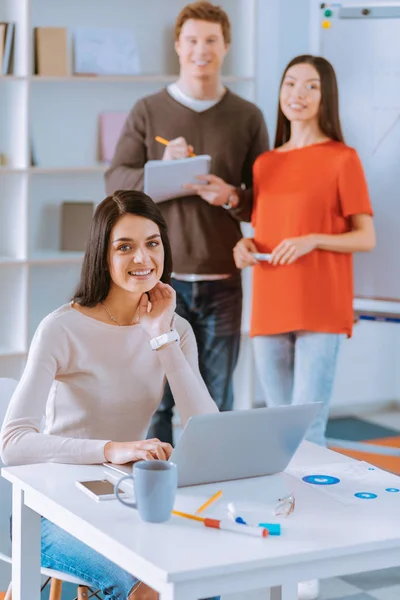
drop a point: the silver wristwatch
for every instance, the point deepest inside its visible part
(233, 200)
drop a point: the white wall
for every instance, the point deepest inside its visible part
(283, 33)
(367, 376)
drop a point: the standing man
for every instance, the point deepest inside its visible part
(198, 114)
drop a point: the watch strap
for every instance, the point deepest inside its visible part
(163, 339)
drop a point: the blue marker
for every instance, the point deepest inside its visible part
(273, 528)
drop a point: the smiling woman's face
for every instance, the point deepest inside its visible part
(135, 254)
(300, 95)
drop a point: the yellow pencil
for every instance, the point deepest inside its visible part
(210, 501)
(166, 142)
(187, 516)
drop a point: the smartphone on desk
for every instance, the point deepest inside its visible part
(99, 489)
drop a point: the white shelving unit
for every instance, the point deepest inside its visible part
(55, 121)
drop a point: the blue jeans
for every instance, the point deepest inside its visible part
(296, 368)
(63, 552)
(214, 310)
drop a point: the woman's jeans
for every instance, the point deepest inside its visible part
(63, 552)
(297, 368)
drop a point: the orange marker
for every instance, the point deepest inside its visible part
(226, 525)
(166, 142)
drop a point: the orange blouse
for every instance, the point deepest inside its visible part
(314, 189)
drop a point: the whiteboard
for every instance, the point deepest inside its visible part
(364, 49)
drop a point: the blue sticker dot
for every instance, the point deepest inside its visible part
(392, 490)
(366, 495)
(371, 468)
(321, 479)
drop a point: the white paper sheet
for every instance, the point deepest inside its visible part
(352, 483)
(164, 179)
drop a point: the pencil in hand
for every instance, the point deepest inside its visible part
(165, 142)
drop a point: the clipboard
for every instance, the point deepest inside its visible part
(164, 179)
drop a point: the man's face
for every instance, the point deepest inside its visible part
(201, 49)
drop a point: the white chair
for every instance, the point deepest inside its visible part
(7, 387)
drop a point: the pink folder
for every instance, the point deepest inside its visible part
(111, 125)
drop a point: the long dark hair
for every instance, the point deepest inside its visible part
(95, 280)
(328, 118)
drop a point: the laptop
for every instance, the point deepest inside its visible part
(237, 444)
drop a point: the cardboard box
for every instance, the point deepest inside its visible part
(76, 218)
(51, 51)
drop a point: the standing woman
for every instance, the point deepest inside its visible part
(311, 212)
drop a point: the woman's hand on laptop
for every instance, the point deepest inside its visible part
(120, 453)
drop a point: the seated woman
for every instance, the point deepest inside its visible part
(92, 372)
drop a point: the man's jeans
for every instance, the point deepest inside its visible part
(296, 368)
(214, 310)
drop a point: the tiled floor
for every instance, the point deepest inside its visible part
(373, 585)
(390, 418)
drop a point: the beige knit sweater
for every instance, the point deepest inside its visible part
(95, 382)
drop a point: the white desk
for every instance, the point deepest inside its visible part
(185, 561)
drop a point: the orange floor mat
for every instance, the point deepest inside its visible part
(389, 463)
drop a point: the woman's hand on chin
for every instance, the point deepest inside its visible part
(156, 315)
(125, 452)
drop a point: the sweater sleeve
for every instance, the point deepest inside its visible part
(126, 171)
(181, 367)
(259, 145)
(21, 441)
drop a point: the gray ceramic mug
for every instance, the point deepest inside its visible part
(155, 483)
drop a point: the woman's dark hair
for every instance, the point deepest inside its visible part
(328, 118)
(95, 280)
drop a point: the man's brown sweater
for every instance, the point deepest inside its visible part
(233, 133)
